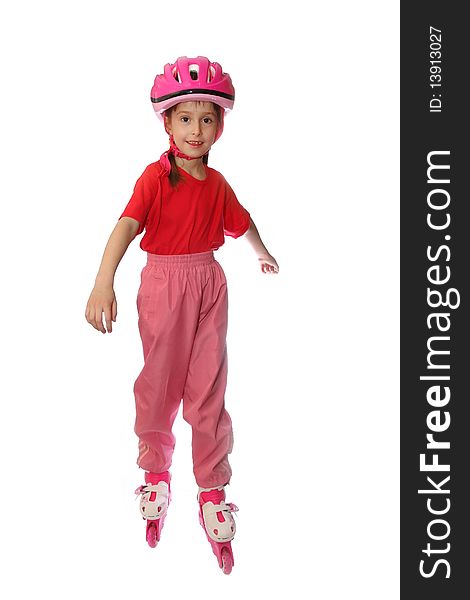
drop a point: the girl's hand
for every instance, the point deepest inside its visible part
(102, 300)
(268, 264)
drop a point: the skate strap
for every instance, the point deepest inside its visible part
(144, 489)
(201, 489)
(211, 510)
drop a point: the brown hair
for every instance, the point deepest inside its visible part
(174, 176)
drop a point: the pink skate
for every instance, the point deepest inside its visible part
(154, 502)
(217, 521)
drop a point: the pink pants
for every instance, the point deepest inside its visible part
(183, 306)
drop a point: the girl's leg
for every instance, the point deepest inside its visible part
(167, 329)
(203, 395)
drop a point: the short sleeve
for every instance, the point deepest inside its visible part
(236, 217)
(145, 192)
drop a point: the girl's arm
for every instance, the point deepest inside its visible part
(267, 262)
(102, 298)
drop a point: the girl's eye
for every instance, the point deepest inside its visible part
(207, 120)
(185, 119)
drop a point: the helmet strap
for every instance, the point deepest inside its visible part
(177, 152)
(173, 149)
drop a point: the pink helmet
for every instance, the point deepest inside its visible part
(190, 79)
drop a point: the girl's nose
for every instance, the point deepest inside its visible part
(197, 128)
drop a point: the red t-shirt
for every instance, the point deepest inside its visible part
(192, 217)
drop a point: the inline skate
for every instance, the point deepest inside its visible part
(154, 501)
(215, 517)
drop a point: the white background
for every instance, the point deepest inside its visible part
(311, 150)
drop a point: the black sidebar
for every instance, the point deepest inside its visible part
(435, 301)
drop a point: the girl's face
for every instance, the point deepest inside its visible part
(193, 126)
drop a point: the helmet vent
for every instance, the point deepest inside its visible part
(210, 73)
(176, 75)
(194, 72)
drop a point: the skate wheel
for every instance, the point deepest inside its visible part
(152, 535)
(227, 562)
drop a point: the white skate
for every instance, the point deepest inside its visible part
(154, 502)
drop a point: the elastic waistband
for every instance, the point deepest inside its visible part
(181, 260)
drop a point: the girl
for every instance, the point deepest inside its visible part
(185, 208)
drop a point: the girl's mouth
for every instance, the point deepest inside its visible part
(195, 144)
